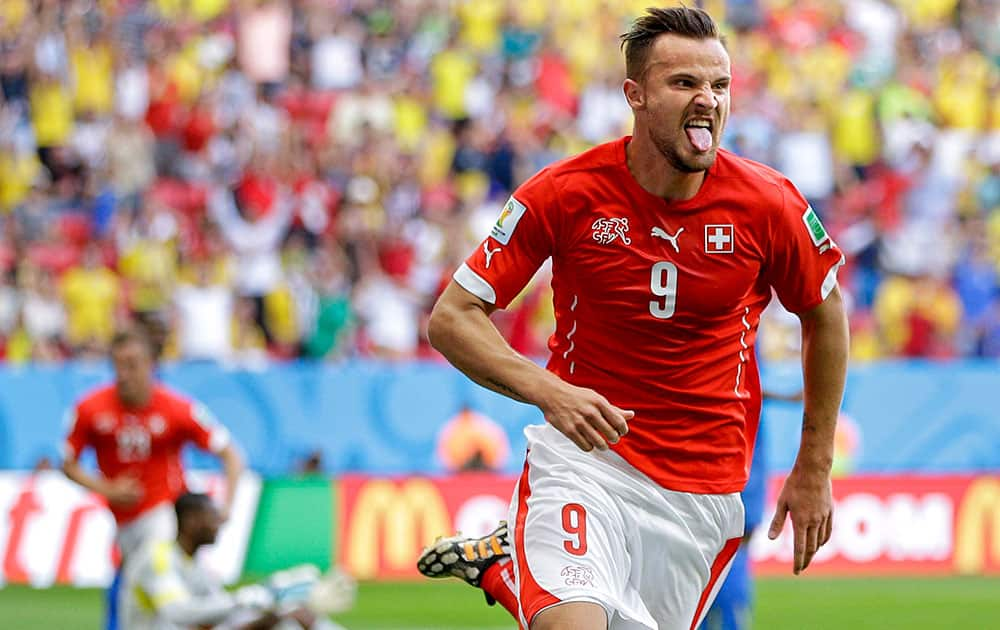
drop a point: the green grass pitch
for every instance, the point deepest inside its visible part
(782, 604)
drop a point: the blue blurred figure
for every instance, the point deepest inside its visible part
(732, 608)
(111, 602)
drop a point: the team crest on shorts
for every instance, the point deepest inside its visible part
(578, 575)
(606, 230)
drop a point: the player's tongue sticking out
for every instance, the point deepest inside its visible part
(700, 137)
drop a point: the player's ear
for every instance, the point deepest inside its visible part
(634, 94)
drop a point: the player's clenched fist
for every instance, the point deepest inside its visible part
(123, 491)
(585, 417)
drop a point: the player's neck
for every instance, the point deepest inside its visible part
(655, 174)
(136, 401)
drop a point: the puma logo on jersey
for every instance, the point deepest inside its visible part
(489, 252)
(661, 233)
(607, 230)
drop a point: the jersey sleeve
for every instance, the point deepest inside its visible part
(803, 258)
(522, 238)
(201, 427)
(77, 423)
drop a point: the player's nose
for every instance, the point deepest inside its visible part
(705, 99)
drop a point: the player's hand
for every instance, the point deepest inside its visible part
(807, 496)
(254, 596)
(302, 616)
(123, 491)
(585, 417)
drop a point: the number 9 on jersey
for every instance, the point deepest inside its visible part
(663, 284)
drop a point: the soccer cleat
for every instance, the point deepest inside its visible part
(464, 558)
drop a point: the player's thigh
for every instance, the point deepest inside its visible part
(157, 523)
(569, 544)
(576, 615)
(687, 546)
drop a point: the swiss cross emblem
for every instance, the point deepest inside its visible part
(719, 238)
(157, 425)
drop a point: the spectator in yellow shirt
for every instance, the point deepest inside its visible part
(51, 111)
(962, 92)
(148, 263)
(91, 292)
(201, 10)
(18, 170)
(451, 70)
(91, 69)
(855, 132)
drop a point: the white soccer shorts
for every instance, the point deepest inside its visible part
(591, 527)
(157, 523)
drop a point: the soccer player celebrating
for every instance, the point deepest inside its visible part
(665, 249)
(137, 429)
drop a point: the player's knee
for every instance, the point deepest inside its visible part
(571, 616)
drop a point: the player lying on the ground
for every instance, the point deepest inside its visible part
(165, 589)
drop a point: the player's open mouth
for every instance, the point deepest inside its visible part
(699, 133)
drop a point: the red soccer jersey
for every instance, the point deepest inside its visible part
(657, 302)
(143, 443)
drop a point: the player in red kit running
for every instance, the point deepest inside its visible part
(665, 249)
(137, 429)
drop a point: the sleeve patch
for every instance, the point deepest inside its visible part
(816, 230)
(512, 212)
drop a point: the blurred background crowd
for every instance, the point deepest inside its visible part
(270, 179)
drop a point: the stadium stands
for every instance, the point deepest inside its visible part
(394, 131)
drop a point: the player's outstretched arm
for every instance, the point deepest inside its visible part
(461, 330)
(232, 464)
(806, 495)
(198, 611)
